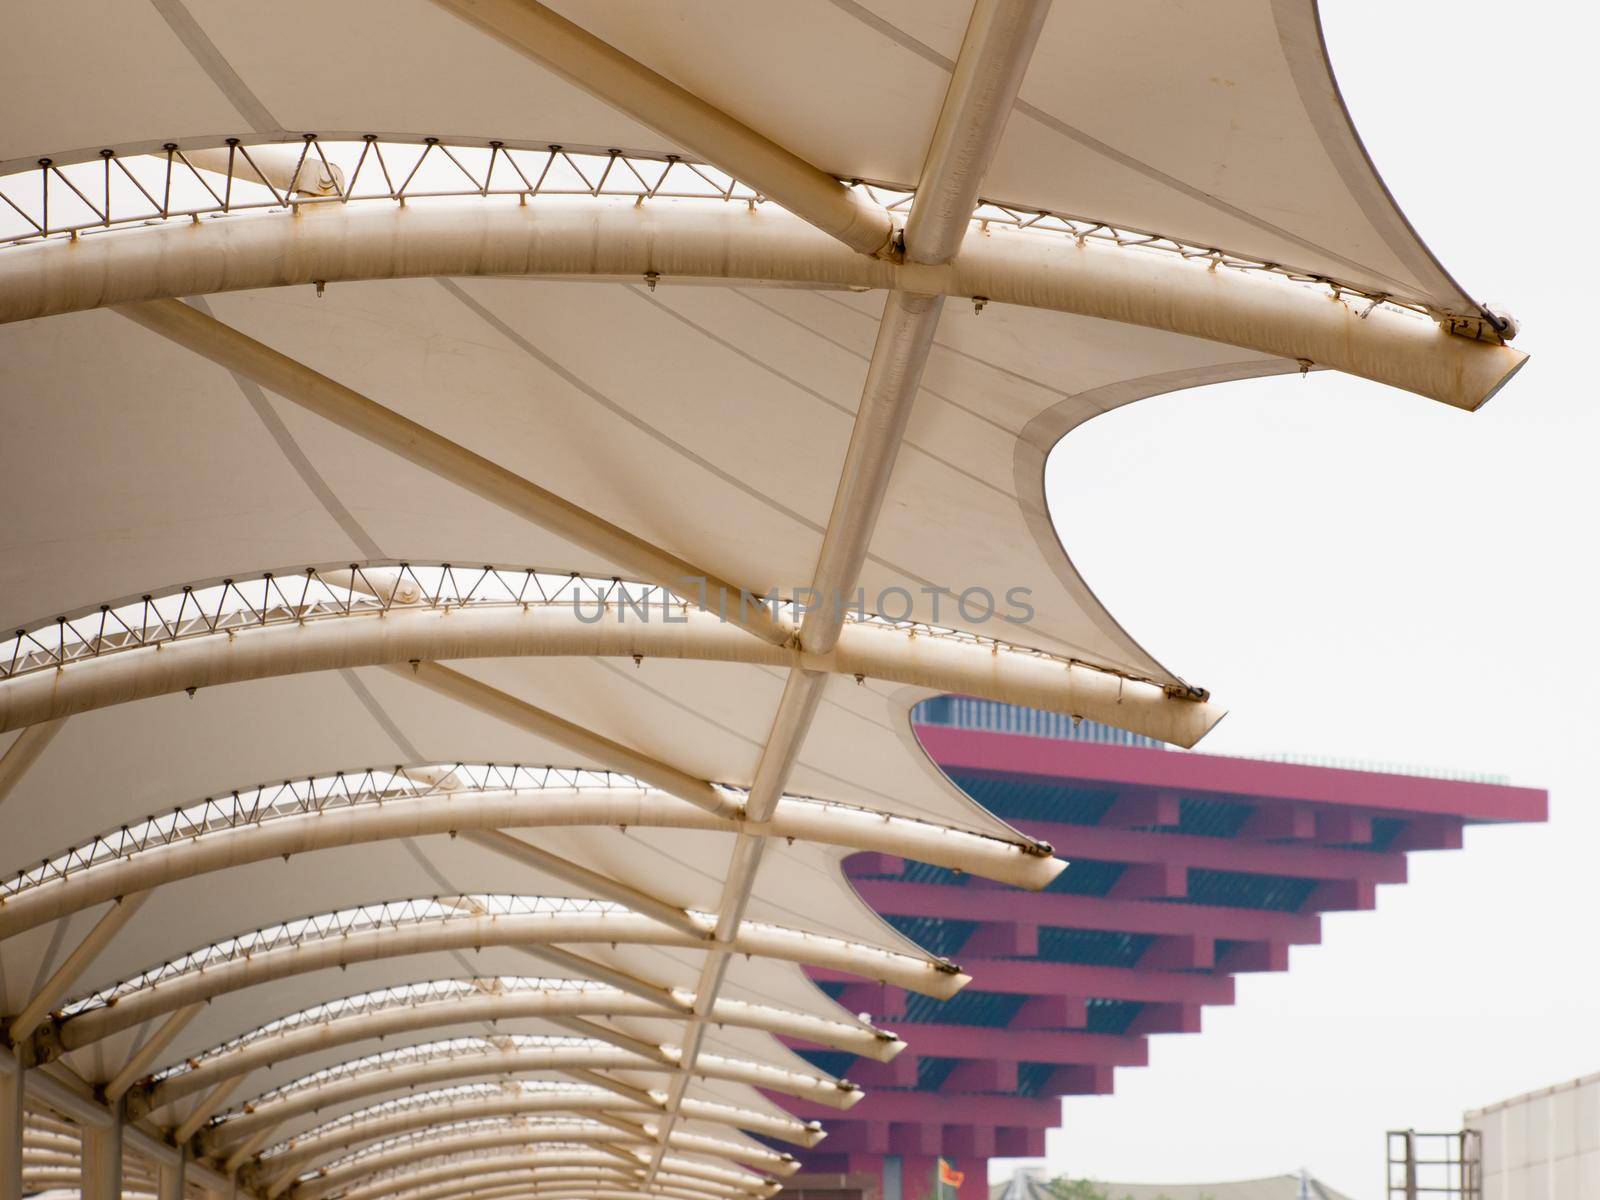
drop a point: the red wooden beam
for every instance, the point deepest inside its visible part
(1133, 809)
(1041, 1111)
(1002, 939)
(1088, 764)
(1280, 823)
(1004, 1045)
(1084, 912)
(1079, 1081)
(1180, 954)
(1031, 977)
(1051, 1012)
(1166, 1018)
(983, 1075)
(1253, 956)
(1218, 854)
(1151, 881)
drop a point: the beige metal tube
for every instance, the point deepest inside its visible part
(281, 167)
(203, 1111)
(592, 882)
(107, 927)
(686, 120)
(894, 374)
(237, 1157)
(578, 1061)
(333, 1178)
(552, 1184)
(613, 755)
(540, 1167)
(1024, 864)
(24, 752)
(404, 635)
(416, 443)
(146, 1054)
(995, 52)
(318, 1143)
(512, 1185)
(13, 1139)
(341, 949)
(601, 240)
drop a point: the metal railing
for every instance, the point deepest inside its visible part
(1434, 1166)
(238, 603)
(108, 190)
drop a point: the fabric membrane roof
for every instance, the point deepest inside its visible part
(735, 338)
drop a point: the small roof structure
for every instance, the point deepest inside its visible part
(1028, 1184)
(293, 344)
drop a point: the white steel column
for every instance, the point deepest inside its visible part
(170, 1177)
(102, 1159)
(1000, 38)
(12, 1095)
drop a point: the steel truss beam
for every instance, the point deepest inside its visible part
(537, 1167)
(24, 752)
(408, 1152)
(558, 1191)
(267, 1113)
(549, 1185)
(503, 706)
(683, 118)
(387, 816)
(914, 655)
(350, 410)
(286, 1045)
(341, 946)
(596, 239)
(37, 1010)
(360, 1129)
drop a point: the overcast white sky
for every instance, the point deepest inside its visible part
(1358, 572)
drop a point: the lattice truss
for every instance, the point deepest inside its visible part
(631, 1058)
(66, 199)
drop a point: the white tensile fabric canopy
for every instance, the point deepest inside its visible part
(441, 693)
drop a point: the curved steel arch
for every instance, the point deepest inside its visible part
(433, 1109)
(410, 1014)
(479, 1058)
(404, 928)
(449, 1140)
(73, 681)
(596, 238)
(548, 1186)
(540, 1166)
(228, 833)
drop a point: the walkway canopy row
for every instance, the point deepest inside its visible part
(486, 485)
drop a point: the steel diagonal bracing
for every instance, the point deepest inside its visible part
(401, 928)
(994, 57)
(214, 633)
(446, 1002)
(315, 392)
(355, 807)
(1116, 279)
(172, 185)
(476, 1102)
(626, 84)
(244, 1130)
